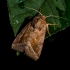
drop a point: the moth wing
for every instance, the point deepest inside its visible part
(34, 52)
(16, 45)
(39, 43)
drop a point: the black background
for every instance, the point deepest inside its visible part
(54, 54)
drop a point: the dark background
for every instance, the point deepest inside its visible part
(55, 50)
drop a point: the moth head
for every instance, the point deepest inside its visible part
(39, 21)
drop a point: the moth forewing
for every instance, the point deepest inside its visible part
(30, 40)
(17, 41)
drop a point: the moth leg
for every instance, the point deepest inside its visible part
(30, 52)
(48, 27)
(19, 46)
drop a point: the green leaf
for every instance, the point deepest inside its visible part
(68, 9)
(60, 4)
(17, 53)
(18, 13)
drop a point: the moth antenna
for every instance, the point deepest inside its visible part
(34, 10)
(57, 17)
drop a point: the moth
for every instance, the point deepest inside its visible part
(31, 39)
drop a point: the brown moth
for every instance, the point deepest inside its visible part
(31, 39)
